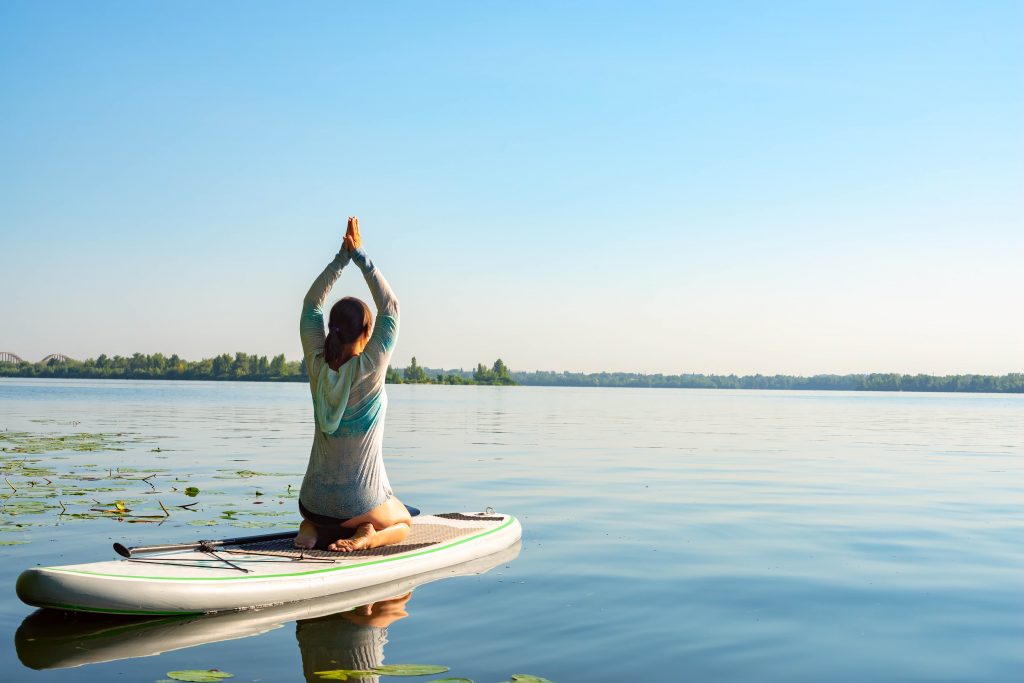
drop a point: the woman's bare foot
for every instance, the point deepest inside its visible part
(357, 541)
(367, 536)
(306, 538)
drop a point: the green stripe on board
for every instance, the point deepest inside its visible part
(276, 576)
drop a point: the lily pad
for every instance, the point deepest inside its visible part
(192, 492)
(254, 524)
(451, 680)
(199, 675)
(528, 678)
(409, 669)
(249, 474)
(24, 442)
(25, 507)
(343, 674)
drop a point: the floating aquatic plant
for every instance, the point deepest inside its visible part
(385, 670)
(343, 674)
(199, 675)
(249, 474)
(26, 442)
(409, 669)
(25, 507)
(34, 483)
(255, 524)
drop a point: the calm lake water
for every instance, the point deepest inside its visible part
(669, 535)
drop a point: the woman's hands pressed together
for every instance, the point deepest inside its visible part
(353, 240)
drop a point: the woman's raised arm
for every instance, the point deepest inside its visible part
(385, 327)
(311, 322)
(383, 297)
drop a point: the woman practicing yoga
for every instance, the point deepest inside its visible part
(346, 501)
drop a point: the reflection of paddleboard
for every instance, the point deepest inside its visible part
(55, 640)
(239, 576)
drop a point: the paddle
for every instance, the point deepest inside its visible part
(124, 551)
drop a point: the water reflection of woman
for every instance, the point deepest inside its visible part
(348, 640)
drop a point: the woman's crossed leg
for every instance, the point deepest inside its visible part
(386, 524)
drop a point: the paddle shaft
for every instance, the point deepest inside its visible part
(138, 550)
(124, 551)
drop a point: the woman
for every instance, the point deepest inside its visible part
(346, 500)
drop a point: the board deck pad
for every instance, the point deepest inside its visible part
(421, 536)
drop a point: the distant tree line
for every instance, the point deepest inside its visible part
(247, 367)
(498, 373)
(237, 367)
(1011, 383)
(240, 366)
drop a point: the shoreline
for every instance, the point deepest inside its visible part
(848, 383)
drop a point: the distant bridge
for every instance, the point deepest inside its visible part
(56, 358)
(8, 357)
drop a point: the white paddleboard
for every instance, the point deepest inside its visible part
(250, 576)
(50, 640)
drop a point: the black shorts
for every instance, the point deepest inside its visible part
(325, 526)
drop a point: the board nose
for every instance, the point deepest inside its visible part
(31, 588)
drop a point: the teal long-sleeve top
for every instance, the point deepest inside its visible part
(345, 476)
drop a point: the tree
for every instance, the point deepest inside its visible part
(414, 374)
(501, 373)
(496, 374)
(157, 364)
(482, 375)
(221, 366)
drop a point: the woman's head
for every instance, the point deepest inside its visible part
(348, 329)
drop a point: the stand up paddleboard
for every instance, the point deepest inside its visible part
(246, 573)
(48, 639)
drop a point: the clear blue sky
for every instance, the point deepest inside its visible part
(665, 187)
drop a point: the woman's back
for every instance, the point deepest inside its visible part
(346, 477)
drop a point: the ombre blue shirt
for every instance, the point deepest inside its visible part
(345, 477)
